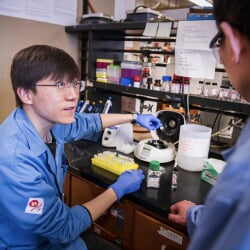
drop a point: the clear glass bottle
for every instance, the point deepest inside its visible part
(157, 85)
(176, 85)
(149, 83)
(186, 85)
(214, 91)
(206, 89)
(234, 95)
(166, 83)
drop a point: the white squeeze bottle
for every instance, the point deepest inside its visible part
(107, 106)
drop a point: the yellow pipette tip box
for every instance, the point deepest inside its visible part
(114, 162)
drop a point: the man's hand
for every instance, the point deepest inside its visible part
(129, 181)
(178, 211)
(148, 121)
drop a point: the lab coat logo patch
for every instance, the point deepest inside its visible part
(35, 206)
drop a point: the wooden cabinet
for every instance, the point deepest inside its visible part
(116, 223)
(126, 225)
(66, 190)
(150, 233)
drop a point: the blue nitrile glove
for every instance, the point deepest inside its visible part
(148, 121)
(129, 181)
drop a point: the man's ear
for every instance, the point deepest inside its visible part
(234, 38)
(24, 95)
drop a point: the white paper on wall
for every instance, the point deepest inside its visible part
(62, 12)
(193, 56)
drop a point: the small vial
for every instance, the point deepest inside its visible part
(174, 175)
(153, 177)
(174, 178)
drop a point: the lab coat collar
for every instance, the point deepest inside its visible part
(34, 140)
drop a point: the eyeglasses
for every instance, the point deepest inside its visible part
(78, 85)
(216, 43)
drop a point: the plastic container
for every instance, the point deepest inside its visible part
(193, 149)
(130, 69)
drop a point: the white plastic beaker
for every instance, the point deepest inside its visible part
(193, 149)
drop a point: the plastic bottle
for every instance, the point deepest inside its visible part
(137, 82)
(107, 105)
(154, 174)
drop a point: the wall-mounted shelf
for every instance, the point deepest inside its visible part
(107, 40)
(209, 103)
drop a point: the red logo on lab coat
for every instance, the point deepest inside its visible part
(34, 206)
(33, 203)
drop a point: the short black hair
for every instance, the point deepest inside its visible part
(235, 12)
(39, 62)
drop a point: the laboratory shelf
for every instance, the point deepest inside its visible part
(223, 106)
(107, 40)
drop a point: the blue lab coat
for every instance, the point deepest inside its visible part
(224, 221)
(32, 213)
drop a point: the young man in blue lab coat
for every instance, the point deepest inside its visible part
(224, 220)
(32, 214)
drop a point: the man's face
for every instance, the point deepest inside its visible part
(55, 103)
(236, 65)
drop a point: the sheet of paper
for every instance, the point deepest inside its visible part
(193, 57)
(164, 29)
(195, 34)
(150, 29)
(193, 63)
(62, 12)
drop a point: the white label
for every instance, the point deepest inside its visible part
(34, 206)
(194, 147)
(170, 235)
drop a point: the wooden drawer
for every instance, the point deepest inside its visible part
(111, 237)
(83, 191)
(150, 233)
(118, 220)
